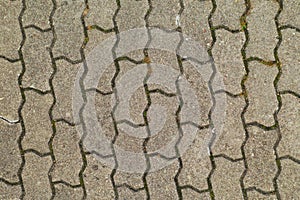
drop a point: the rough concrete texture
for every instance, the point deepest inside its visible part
(254, 46)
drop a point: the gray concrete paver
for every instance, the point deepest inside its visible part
(10, 158)
(262, 95)
(262, 29)
(10, 96)
(228, 59)
(290, 58)
(38, 71)
(65, 192)
(288, 181)
(37, 13)
(66, 143)
(37, 121)
(226, 178)
(228, 13)
(10, 30)
(230, 140)
(288, 118)
(68, 29)
(35, 177)
(290, 13)
(260, 159)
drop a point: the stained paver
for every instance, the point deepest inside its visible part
(254, 46)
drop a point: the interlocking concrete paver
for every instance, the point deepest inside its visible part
(10, 158)
(228, 13)
(65, 192)
(194, 21)
(164, 13)
(9, 192)
(37, 121)
(288, 181)
(262, 29)
(262, 95)
(196, 163)
(101, 14)
(133, 180)
(228, 59)
(290, 58)
(63, 83)
(290, 13)
(260, 159)
(255, 195)
(35, 177)
(253, 158)
(288, 118)
(65, 143)
(230, 139)
(191, 194)
(38, 71)
(134, 10)
(10, 30)
(10, 96)
(161, 183)
(226, 177)
(37, 13)
(97, 180)
(68, 29)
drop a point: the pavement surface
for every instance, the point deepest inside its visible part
(255, 48)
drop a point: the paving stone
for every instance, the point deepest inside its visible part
(133, 10)
(38, 71)
(97, 180)
(228, 59)
(230, 139)
(10, 158)
(10, 192)
(194, 21)
(198, 83)
(37, 13)
(262, 29)
(164, 14)
(260, 159)
(65, 192)
(261, 94)
(258, 196)
(161, 183)
(288, 118)
(35, 177)
(63, 83)
(10, 96)
(289, 56)
(68, 29)
(191, 194)
(10, 29)
(196, 163)
(289, 180)
(125, 193)
(65, 143)
(226, 179)
(228, 13)
(101, 14)
(290, 13)
(37, 121)
(132, 179)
